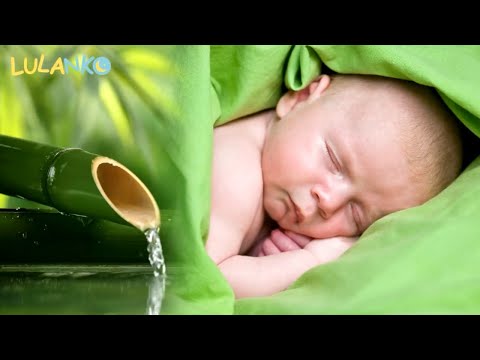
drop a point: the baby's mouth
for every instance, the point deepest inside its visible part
(298, 212)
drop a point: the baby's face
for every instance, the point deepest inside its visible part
(332, 172)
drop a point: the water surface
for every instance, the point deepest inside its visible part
(77, 289)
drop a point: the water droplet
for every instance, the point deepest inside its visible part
(155, 252)
(157, 285)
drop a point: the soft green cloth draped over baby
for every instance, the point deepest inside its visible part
(421, 260)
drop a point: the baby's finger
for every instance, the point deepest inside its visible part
(269, 248)
(283, 242)
(301, 240)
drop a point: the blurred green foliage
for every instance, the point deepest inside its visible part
(128, 114)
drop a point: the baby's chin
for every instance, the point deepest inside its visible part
(305, 230)
(301, 231)
(286, 225)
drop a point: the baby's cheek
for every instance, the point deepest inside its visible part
(287, 157)
(274, 207)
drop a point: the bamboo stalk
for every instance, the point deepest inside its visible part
(75, 181)
(42, 236)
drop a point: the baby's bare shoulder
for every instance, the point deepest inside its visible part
(237, 174)
(236, 190)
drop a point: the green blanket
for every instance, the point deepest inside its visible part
(421, 260)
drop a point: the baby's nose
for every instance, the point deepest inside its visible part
(329, 199)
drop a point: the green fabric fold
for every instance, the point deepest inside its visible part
(303, 66)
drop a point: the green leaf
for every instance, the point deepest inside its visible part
(116, 111)
(147, 59)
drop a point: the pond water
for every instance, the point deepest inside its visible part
(89, 289)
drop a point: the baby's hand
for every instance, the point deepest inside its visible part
(326, 250)
(281, 241)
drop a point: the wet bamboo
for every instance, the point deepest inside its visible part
(75, 181)
(45, 237)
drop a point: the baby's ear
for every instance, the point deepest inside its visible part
(292, 98)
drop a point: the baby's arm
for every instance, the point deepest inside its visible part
(282, 241)
(266, 275)
(260, 276)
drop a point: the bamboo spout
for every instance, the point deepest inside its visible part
(125, 193)
(77, 182)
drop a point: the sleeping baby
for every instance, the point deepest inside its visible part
(294, 187)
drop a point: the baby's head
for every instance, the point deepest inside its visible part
(350, 149)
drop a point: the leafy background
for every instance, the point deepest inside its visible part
(128, 114)
(139, 115)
